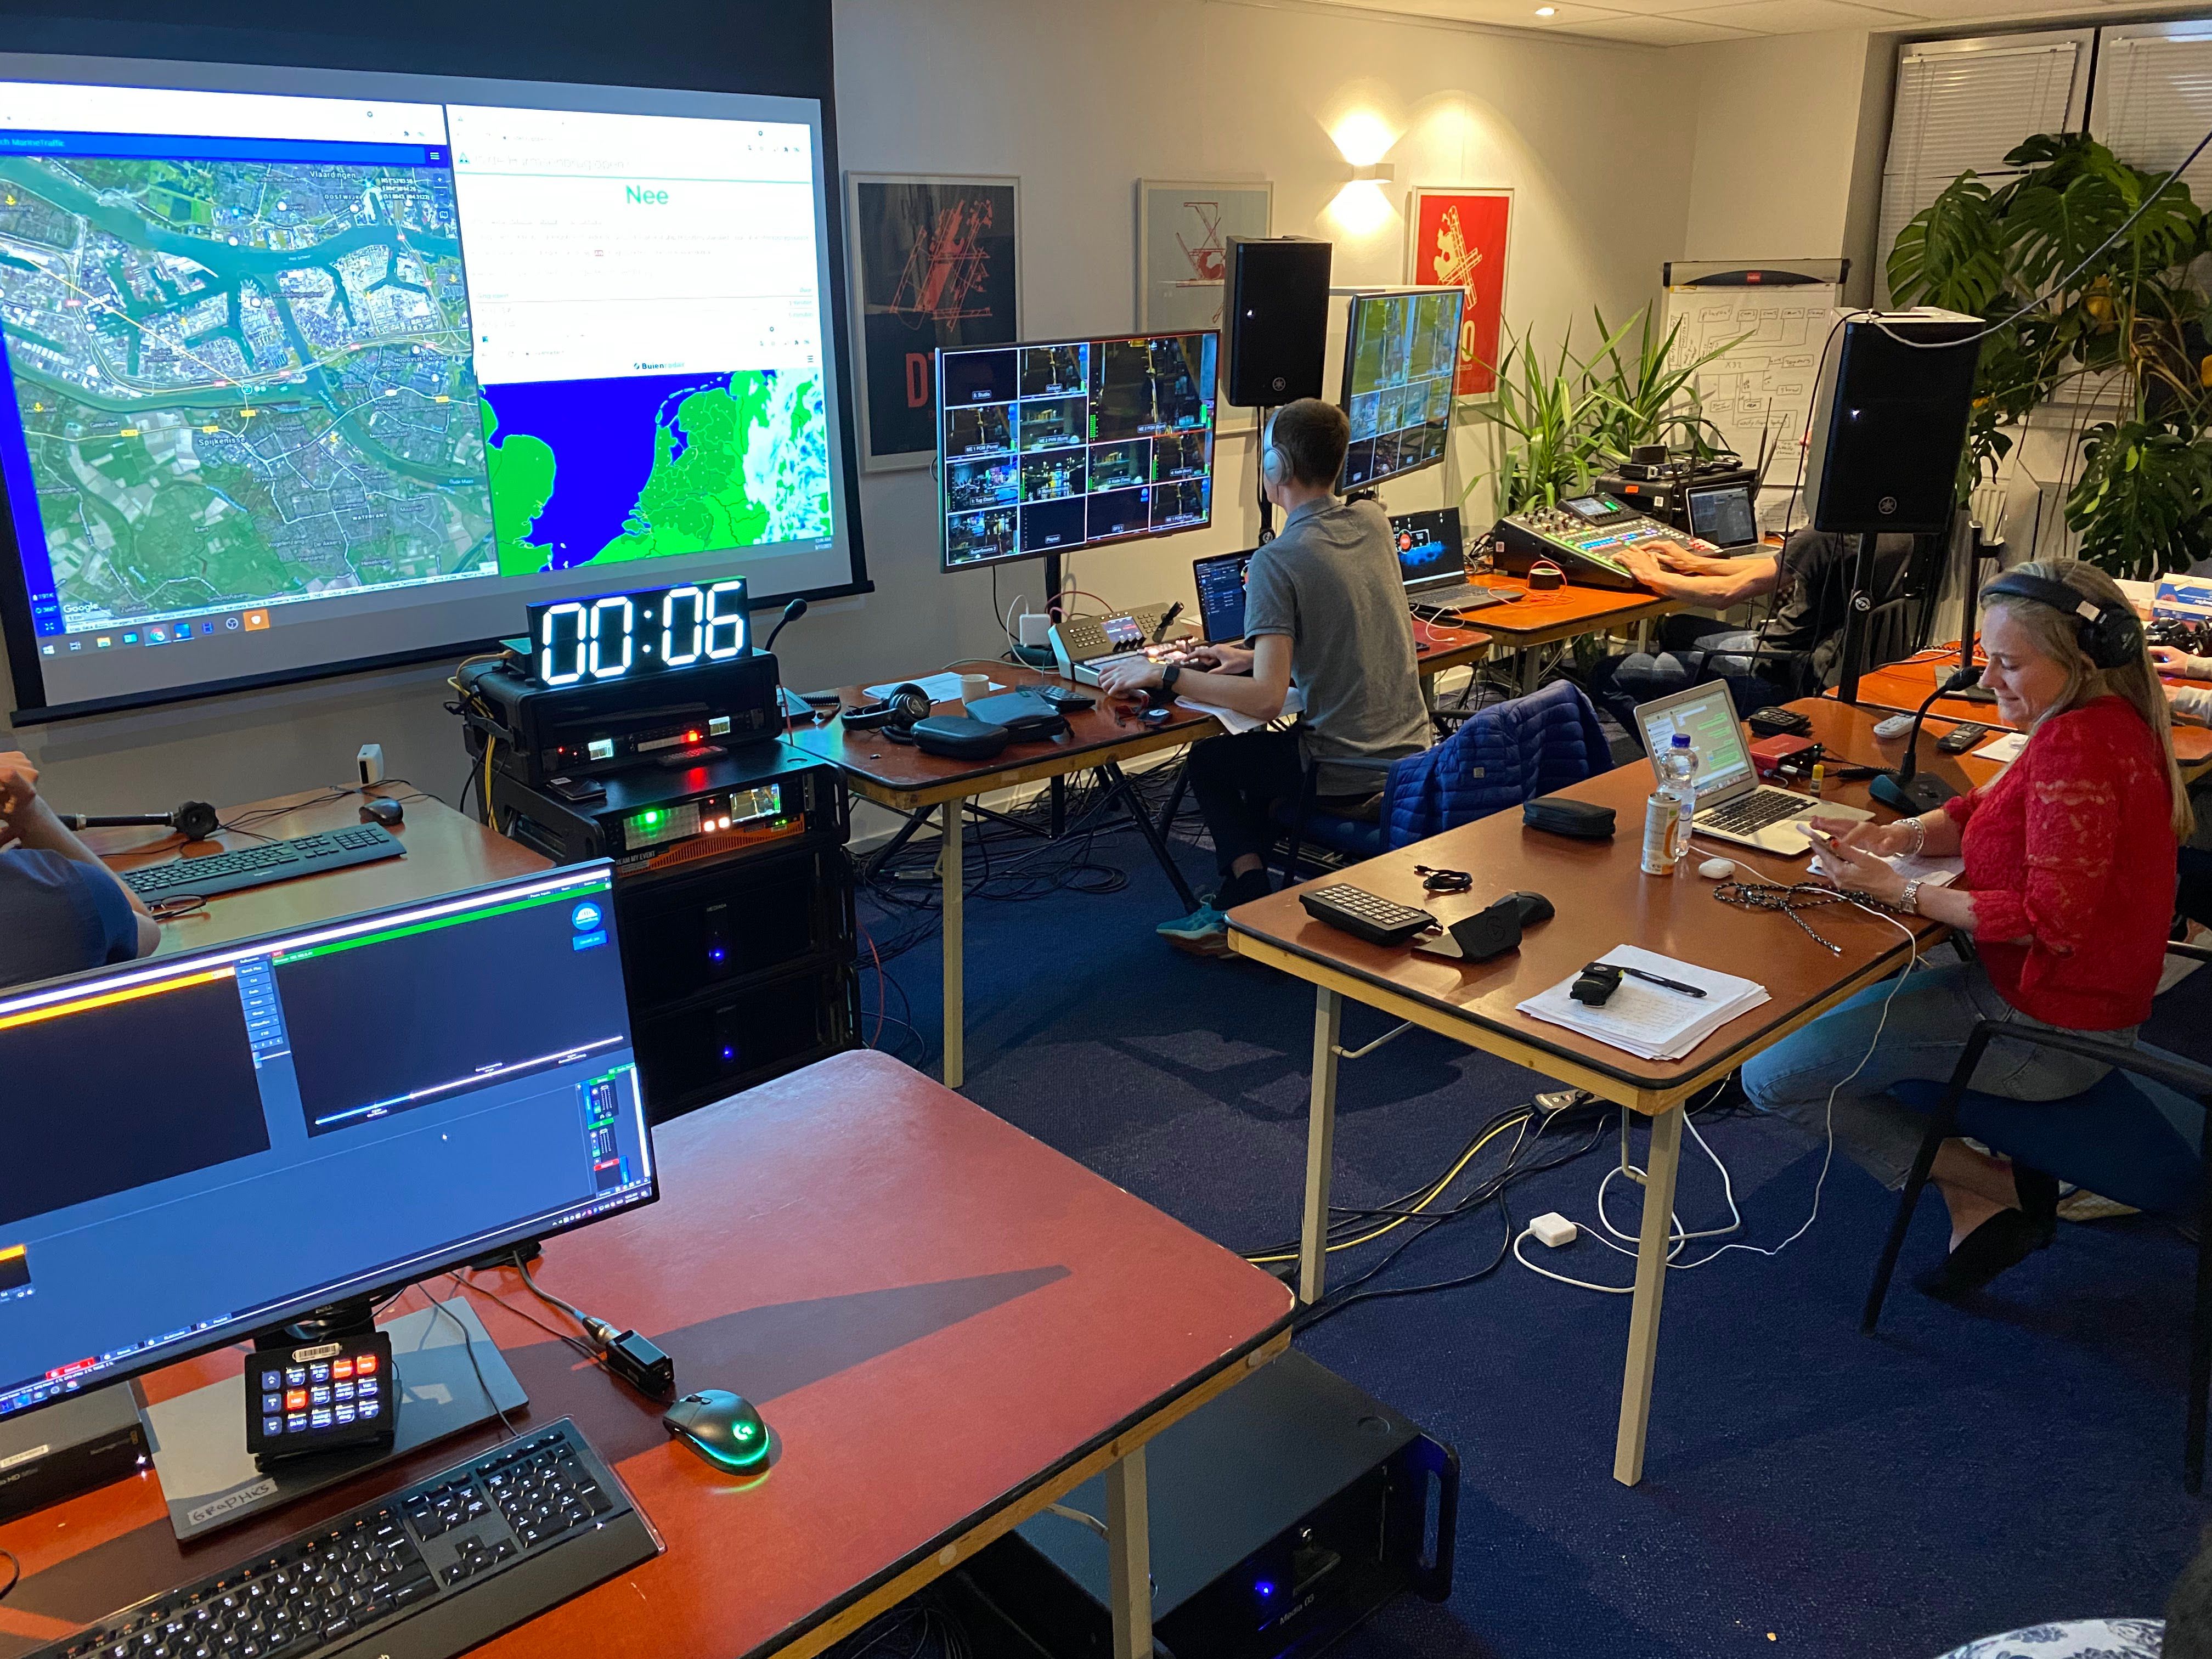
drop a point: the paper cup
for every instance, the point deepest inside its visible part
(974, 686)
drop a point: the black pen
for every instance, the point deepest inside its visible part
(1654, 979)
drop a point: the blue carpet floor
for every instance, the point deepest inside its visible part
(1808, 1491)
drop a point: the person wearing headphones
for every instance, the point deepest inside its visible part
(1324, 610)
(2067, 894)
(61, 910)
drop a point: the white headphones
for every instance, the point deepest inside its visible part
(1274, 465)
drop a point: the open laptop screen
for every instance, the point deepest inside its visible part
(1221, 596)
(1428, 545)
(1707, 715)
(1723, 516)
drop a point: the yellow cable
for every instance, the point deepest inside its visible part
(1427, 1199)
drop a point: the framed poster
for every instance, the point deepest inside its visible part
(1456, 236)
(1183, 259)
(934, 265)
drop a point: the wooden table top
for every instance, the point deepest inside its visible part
(1900, 687)
(446, 852)
(1603, 900)
(1561, 612)
(946, 1324)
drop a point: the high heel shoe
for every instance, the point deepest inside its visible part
(2005, 1240)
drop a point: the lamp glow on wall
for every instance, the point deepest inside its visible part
(1364, 138)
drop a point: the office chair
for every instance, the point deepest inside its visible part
(2110, 1139)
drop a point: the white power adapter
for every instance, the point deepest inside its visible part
(371, 762)
(1554, 1230)
(1033, 631)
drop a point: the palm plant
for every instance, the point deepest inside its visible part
(1647, 398)
(1543, 433)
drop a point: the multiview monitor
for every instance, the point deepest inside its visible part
(310, 370)
(1065, 444)
(205, 1146)
(1400, 355)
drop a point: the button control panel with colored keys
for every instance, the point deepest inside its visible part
(319, 1397)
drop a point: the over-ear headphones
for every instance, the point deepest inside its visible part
(907, 703)
(2110, 635)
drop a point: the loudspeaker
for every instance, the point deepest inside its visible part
(1889, 423)
(1277, 318)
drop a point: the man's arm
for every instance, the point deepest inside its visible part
(1258, 694)
(1731, 581)
(30, 820)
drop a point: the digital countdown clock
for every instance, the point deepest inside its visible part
(652, 630)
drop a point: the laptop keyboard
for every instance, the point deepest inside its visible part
(1748, 814)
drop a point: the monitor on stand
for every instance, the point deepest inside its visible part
(261, 1142)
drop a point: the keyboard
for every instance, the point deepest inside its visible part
(433, 1570)
(1366, 915)
(1438, 602)
(256, 866)
(1748, 814)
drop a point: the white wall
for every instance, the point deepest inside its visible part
(1789, 135)
(1081, 98)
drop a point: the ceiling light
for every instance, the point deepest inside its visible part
(1547, 11)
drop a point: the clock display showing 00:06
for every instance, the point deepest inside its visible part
(601, 640)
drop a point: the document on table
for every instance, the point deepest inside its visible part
(942, 688)
(2004, 749)
(1237, 724)
(1648, 1020)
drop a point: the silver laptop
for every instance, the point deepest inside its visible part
(1732, 803)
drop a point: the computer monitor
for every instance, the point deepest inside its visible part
(1400, 353)
(1064, 444)
(1429, 548)
(1723, 516)
(209, 1144)
(1221, 578)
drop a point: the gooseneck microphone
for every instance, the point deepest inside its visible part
(792, 613)
(1904, 789)
(196, 819)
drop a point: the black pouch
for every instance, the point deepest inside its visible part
(958, 737)
(1585, 819)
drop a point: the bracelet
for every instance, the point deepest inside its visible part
(1919, 837)
(1909, 901)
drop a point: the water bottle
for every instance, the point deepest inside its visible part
(1667, 814)
(1678, 773)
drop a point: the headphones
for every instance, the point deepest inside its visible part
(1274, 465)
(2111, 636)
(907, 703)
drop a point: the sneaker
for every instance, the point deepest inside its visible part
(1204, 931)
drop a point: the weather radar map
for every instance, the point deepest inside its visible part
(326, 378)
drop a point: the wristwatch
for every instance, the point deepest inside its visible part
(1909, 901)
(1169, 675)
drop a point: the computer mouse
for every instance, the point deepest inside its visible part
(722, 1427)
(1717, 869)
(1534, 907)
(382, 809)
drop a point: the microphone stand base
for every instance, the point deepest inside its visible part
(1915, 795)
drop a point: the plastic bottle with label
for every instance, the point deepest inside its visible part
(1667, 815)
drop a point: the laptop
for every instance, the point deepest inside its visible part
(1431, 564)
(1220, 577)
(1723, 516)
(1733, 805)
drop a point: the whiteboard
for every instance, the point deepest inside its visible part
(1764, 385)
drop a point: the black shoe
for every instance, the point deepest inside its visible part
(2039, 1201)
(2005, 1240)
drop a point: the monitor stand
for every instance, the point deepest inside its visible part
(211, 1481)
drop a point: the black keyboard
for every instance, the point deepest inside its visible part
(1364, 915)
(431, 1571)
(1748, 814)
(257, 866)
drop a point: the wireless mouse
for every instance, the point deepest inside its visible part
(721, 1427)
(382, 809)
(1534, 907)
(1716, 869)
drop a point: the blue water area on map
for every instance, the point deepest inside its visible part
(601, 433)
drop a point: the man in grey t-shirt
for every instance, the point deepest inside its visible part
(1325, 610)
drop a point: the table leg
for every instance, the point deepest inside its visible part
(1321, 1144)
(1665, 1158)
(1129, 1556)
(1529, 676)
(1126, 792)
(949, 856)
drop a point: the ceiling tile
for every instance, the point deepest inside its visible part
(1805, 16)
(1655, 31)
(1515, 14)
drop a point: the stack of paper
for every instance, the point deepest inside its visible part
(1294, 704)
(1648, 1020)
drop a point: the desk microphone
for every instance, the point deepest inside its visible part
(196, 818)
(1904, 789)
(792, 613)
(794, 706)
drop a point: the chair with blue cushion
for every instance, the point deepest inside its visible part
(2110, 1138)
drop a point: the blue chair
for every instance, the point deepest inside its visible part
(2110, 1139)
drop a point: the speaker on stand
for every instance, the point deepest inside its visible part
(1277, 329)
(1889, 425)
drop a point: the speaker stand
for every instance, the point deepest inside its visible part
(1854, 619)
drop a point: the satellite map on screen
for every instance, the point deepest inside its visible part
(240, 379)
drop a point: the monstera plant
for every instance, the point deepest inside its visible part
(2086, 262)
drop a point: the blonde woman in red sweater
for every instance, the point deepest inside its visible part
(2068, 894)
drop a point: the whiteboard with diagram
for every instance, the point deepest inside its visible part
(1758, 392)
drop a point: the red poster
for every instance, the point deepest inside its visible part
(1459, 239)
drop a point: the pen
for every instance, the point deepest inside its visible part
(1167, 621)
(1654, 979)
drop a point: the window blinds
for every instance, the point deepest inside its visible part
(2154, 98)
